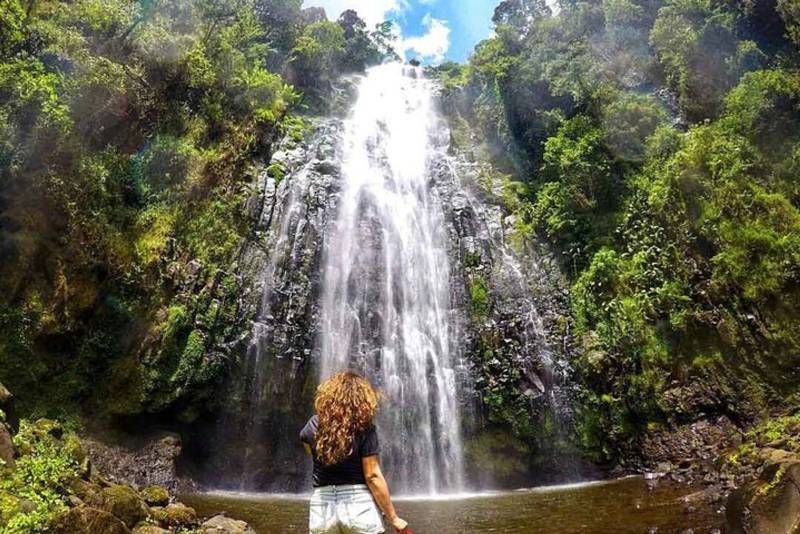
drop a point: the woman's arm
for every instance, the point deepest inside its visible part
(380, 490)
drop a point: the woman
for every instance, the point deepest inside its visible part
(343, 444)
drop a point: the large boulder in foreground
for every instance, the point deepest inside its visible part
(769, 505)
(220, 524)
(84, 519)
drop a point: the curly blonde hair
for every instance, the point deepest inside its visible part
(345, 405)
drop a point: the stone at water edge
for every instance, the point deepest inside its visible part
(83, 520)
(175, 515)
(149, 529)
(124, 503)
(155, 496)
(770, 505)
(220, 524)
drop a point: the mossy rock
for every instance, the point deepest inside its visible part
(84, 519)
(88, 492)
(770, 505)
(174, 515)
(149, 529)
(124, 503)
(47, 427)
(219, 524)
(155, 496)
(9, 506)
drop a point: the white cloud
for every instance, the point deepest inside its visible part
(372, 11)
(433, 45)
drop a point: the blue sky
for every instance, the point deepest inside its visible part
(434, 30)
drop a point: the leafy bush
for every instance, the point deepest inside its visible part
(35, 492)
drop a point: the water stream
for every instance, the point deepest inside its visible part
(626, 506)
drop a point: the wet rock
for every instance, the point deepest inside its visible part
(770, 505)
(219, 524)
(155, 496)
(87, 520)
(687, 451)
(283, 259)
(664, 467)
(124, 503)
(151, 463)
(326, 167)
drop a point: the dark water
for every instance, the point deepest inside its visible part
(620, 506)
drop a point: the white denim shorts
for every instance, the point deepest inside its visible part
(346, 509)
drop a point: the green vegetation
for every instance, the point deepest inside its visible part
(35, 492)
(479, 297)
(653, 144)
(658, 145)
(128, 136)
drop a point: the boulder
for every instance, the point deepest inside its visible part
(88, 492)
(149, 529)
(47, 427)
(124, 503)
(7, 406)
(155, 496)
(87, 520)
(219, 524)
(6, 446)
(770, 505)
(175, 515)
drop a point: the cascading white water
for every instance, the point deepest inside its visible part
(385, 302)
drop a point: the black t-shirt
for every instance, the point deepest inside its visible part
(349, 470)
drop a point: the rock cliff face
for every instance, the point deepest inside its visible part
(516, 336)
(509, 315)
(253, 441)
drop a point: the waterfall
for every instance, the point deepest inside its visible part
(362, 259)
(385, 301)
